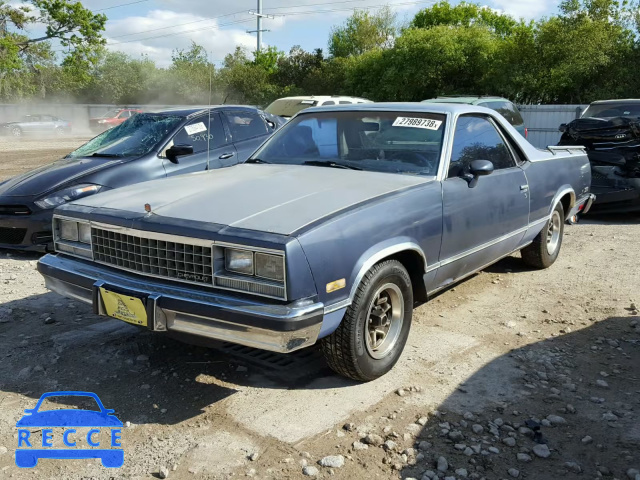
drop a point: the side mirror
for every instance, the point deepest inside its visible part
(478, 168)
(563, 127)
(178, 151)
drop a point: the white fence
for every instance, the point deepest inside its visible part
(542, 121)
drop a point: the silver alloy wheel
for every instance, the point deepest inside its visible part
(16, 132)
(384, 320)
(553, 233)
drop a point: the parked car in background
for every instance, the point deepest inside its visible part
(501, 105)
(610, 131)
(36, 124)
(148, 146)
(287, 107)
(112, 119)
(328, 232)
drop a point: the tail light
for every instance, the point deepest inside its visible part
(526, 132)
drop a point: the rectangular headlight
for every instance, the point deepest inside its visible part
(68, 230)
(270, 266)
(238, 261)
(84, 233)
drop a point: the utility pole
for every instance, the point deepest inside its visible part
(258, 13)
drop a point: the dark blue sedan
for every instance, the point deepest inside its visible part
(148, 146)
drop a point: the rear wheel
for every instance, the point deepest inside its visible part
(545, 248)
(374, 330)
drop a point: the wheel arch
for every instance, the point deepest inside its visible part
(407, 252)
(565, 195)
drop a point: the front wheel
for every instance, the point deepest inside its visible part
(16, 131)
(374, 330)
(545, 248)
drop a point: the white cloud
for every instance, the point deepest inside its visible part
(162, 35)
(527, 9)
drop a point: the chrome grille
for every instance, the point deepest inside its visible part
(169, 259)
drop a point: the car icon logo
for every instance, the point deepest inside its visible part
(29, 452)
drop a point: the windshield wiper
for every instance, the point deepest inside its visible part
(256, 160)
(105, 155)
(330, 164)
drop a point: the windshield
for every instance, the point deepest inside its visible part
(111, 114)
(392, 142)
(288, 107)
(610, 110)
(137, 136)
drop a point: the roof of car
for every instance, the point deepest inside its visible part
(322, 97)
(616, 101)
(195, 110)
(470, 99)
(459, 108)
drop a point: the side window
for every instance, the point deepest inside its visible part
(344, 102)
(46, 118)
(245, 125)
(328, 102)
(124, 114)
(196, 134)
(476, 138)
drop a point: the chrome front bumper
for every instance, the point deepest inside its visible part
(268, 326)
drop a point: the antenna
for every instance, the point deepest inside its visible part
(209, 121)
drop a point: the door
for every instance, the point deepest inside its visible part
(31, 124)
(248, 130)
(199, 132)
(487, 221)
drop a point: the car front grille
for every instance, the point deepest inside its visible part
(12, 236)
(167, 259)
(14, 210)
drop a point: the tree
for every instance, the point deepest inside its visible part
(76, 28)
(190, 75)
(464, 15)
(362, 32)
(294, 68)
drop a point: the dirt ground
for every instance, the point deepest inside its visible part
(513, 373)
(19, 155)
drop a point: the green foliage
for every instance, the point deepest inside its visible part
(363, 31)
(590, 50)
(464, 15)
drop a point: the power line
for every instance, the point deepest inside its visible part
(180, 24)
(235, 22)
(121, 5)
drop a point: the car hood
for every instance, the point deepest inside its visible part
(592, 129)
(53, 176)
(271, 198)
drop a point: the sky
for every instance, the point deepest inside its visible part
(157, 27)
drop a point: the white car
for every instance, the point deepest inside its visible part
(287, 107)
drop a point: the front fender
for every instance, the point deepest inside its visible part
(379, 252)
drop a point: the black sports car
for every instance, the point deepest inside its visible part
(145, 147)
(610, 131)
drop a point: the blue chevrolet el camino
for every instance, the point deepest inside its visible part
(329, 233)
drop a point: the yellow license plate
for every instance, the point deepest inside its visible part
(124, 307)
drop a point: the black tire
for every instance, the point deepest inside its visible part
(543, 251)
(349, 350)
(16, 131)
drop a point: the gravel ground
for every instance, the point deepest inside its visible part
(23, 154)
(511, 374)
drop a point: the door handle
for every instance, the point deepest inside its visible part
(225, 156)
(524, 188)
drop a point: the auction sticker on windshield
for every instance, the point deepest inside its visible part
(195, 128)
(411, 122)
